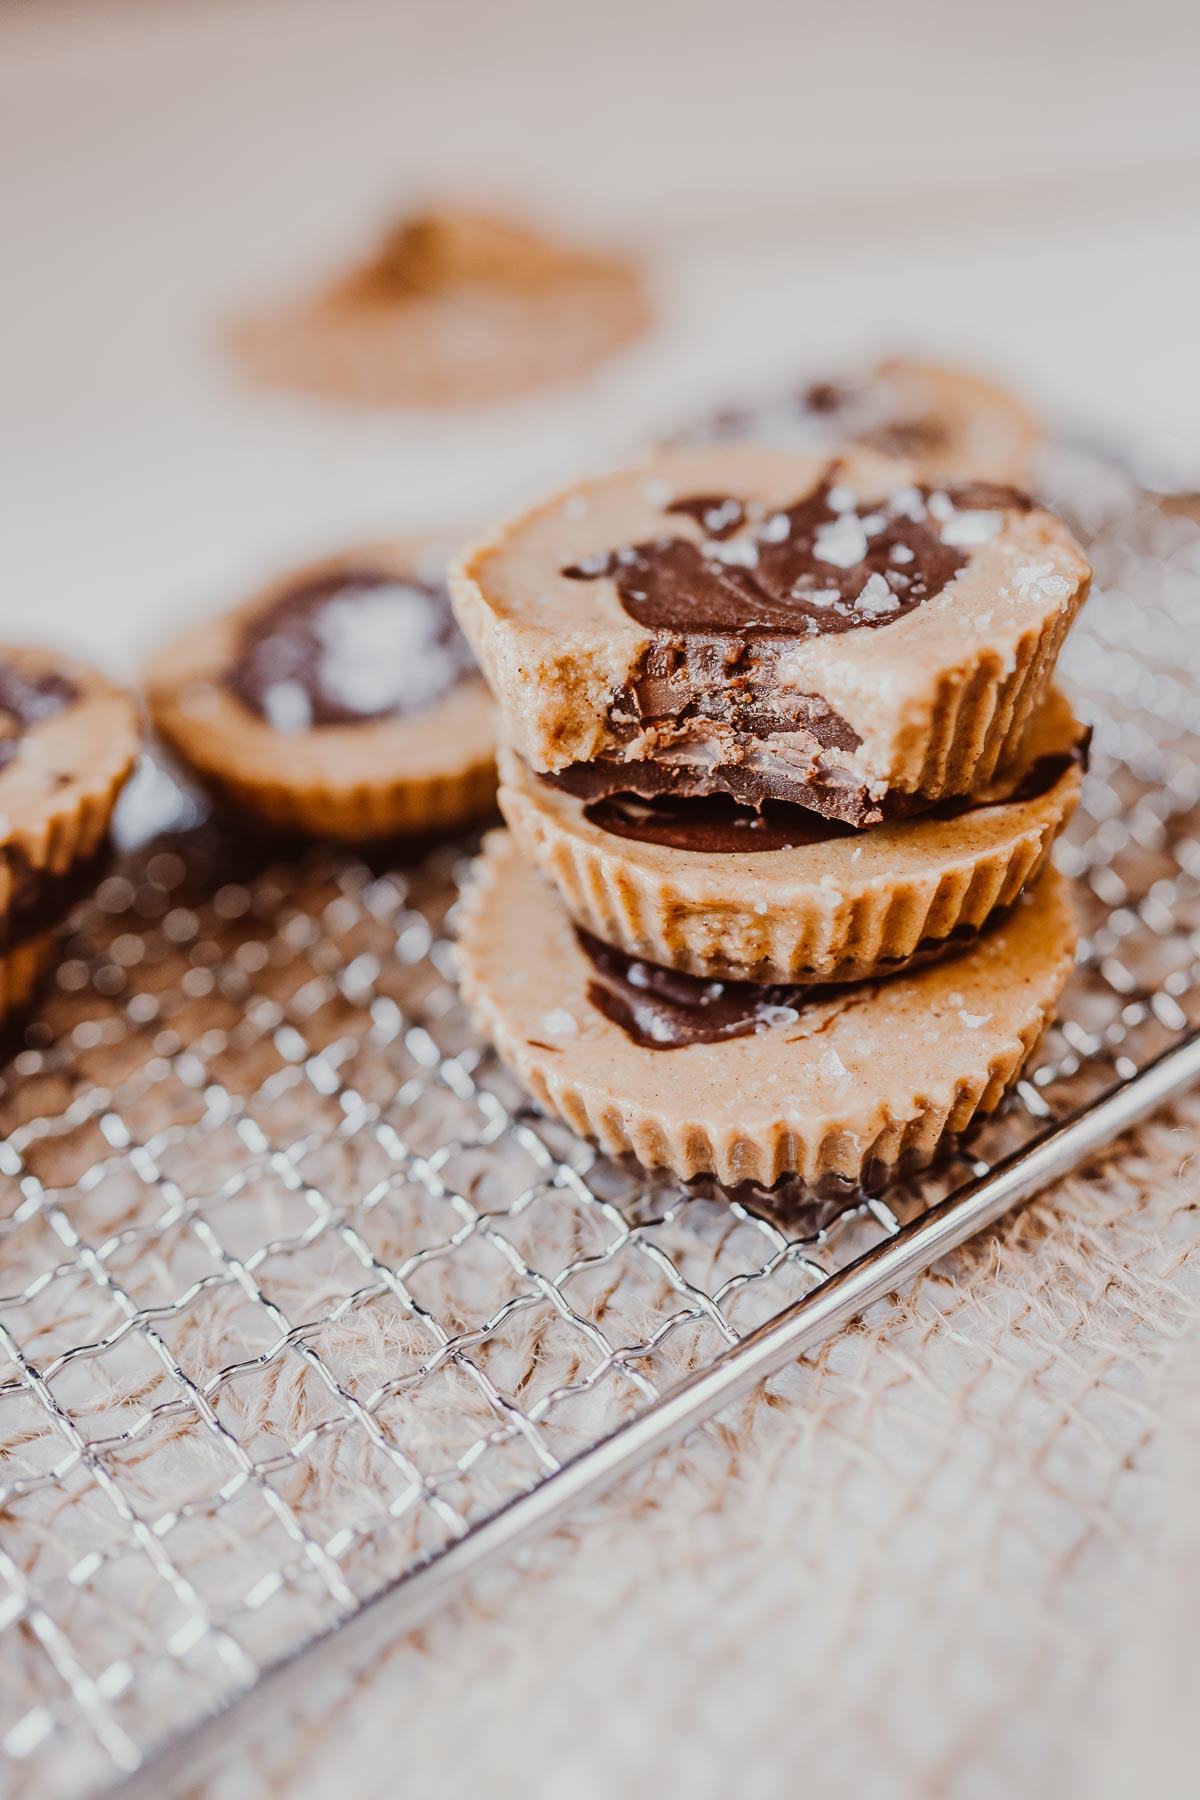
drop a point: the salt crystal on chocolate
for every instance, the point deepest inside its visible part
(287, 706)
(876, 598)
(380, 650)
(843, 542)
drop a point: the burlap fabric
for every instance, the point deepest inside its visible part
(954, 1555)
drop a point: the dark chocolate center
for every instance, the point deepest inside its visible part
(826, 564)
(661, 1009)
(348, 647)
(26, 701)
(713, 824)
(717, 825)
(41, 900)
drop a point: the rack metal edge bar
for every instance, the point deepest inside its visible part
(808, 1321)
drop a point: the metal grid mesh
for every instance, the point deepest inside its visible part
(295, 1288)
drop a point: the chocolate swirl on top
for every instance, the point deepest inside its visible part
(348, 647)
(661, 1009)
(26, 701)
(822, 565)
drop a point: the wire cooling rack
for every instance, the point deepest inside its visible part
(305, 1313)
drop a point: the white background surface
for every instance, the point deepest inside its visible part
(1018, 186)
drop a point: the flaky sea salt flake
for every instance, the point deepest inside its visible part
(876, 599)
(842, 542)
(657, 492)
(729, 512)
(595, 563)
(1038, 581)
(966, 530)
(558, 1026)
(740, 553)
(381, 650)
(907, 503)
(287, 706)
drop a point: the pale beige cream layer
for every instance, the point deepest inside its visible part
(58, 793)
(834, 910)
(868, 1081)
(939, 698)
(428, 771)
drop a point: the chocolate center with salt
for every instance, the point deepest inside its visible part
(661, 1009)
(825, 564)
(347, 648)
(26, 701)
(726, 615)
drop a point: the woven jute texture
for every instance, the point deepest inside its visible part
(956, 1554)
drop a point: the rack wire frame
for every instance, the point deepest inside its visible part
(306, 1314)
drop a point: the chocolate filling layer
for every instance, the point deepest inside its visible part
(819, 787)
(26, 701)
(710, 693)
(661, 1009)
(349, 647)
(713, 824)
(717, 825)
(42, 901)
